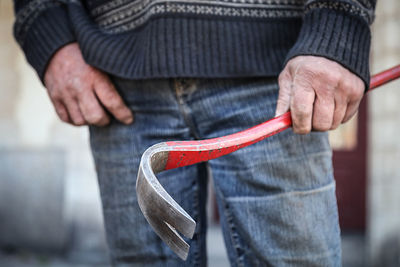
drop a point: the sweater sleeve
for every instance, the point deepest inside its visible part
(41, 27)
(338, 30)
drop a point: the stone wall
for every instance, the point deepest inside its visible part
(384, 144)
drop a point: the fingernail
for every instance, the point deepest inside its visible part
(129, 120)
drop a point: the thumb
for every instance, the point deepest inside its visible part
(285, 84)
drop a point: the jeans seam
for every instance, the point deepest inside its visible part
(195, 206)
(283, 159)
(235, 242)
(284, 194)
(303, 148)
(229, 220)
(317, 256)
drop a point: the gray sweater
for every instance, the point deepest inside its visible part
(196, 38)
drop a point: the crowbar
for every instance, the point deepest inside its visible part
(167, 217)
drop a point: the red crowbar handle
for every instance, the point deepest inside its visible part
(191, 152)
(384, 77)
(166, 217)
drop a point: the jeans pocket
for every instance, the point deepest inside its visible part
(293, 228)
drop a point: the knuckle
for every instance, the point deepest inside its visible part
(77, 86)
(347, 85)
(283, 76)
(56, 97)
(302, 129)
(309, 72)
(55, 93)
(355, 93)
(71, 81)
(322, 121)
(79, 122)
(95, 117)
(333, 77)
(80, 91)
(322, 126)
(302, 113)
(300, 126)
(305, 82)
(282, 102)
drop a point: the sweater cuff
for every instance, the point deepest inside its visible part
(338, 36)
(49, 32)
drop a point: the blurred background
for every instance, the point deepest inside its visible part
(50, 210)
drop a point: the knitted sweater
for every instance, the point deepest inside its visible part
(196, 38)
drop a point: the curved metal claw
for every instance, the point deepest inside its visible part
(161, 211)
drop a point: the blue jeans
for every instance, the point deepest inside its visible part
(276, 198)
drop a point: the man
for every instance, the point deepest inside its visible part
(143, 72)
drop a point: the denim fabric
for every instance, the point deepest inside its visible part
(276, 198)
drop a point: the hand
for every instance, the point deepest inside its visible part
(320, 93)
(80, 93)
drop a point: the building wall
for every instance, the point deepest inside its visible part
(384, 145)
(49, 197)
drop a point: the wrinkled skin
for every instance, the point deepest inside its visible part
(82, 94)
(320, 93)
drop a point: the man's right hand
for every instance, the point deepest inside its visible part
(80, 93)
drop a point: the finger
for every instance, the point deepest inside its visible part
(340, 111)
(323, 112)
(283, 103)
(352, 108)
(301, 106)
(74, 112)
(355, 93)
(113, 102)
(61, 111)
(92, 111)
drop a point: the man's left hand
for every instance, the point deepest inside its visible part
(320, 93)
